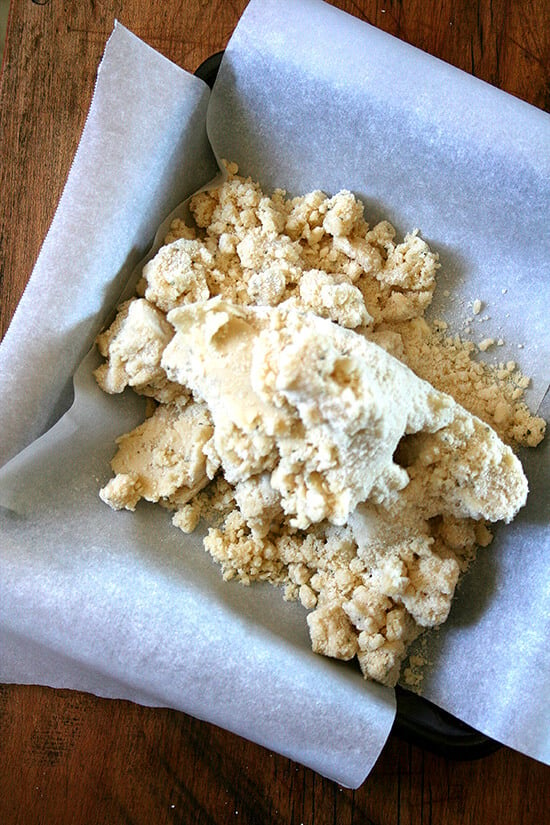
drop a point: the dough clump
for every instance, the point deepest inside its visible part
(306, 411)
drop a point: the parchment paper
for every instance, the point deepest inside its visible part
(321, 100)
(123, 604)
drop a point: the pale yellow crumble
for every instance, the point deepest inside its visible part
(336, 443)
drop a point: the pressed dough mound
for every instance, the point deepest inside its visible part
(337, 444)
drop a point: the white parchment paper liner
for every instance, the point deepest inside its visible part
(122, 604)
(124, 607)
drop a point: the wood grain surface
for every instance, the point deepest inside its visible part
(67, 757)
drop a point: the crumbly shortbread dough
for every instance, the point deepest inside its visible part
(323, 411)
(337, 444)
(163, 458)
(134, 344)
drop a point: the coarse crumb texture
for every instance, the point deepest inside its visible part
(335, 443)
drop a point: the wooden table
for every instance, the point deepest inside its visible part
(67, 757)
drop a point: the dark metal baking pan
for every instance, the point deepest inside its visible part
(418, 721)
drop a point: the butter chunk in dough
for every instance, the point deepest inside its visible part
(161, 457)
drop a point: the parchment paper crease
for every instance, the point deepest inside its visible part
(123, 604)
